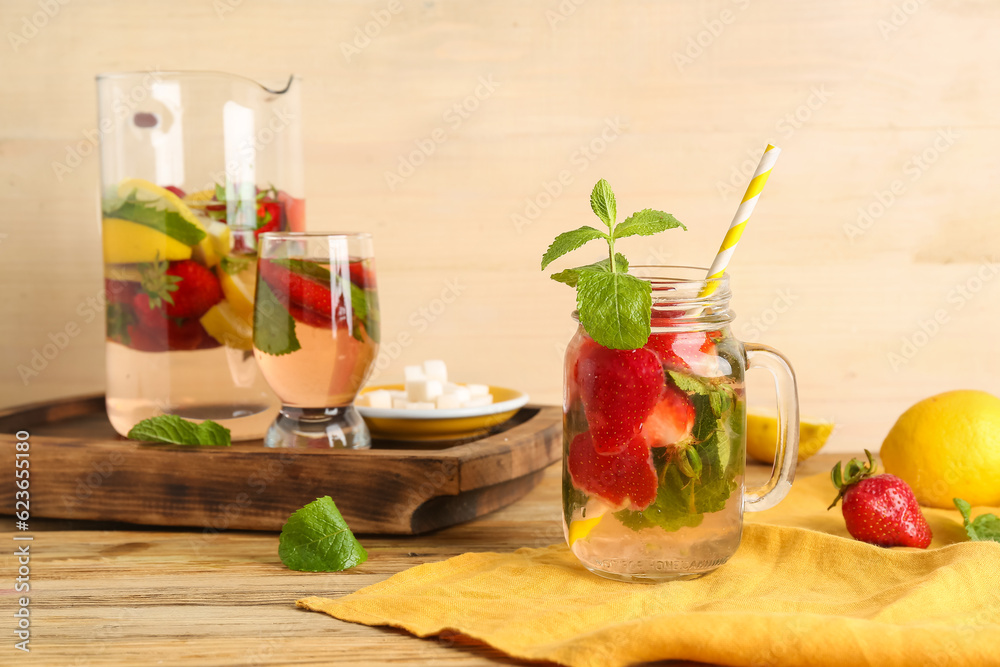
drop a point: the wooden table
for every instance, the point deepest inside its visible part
(126, 595)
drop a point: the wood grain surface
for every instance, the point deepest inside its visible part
(89, 472)
(875, 235)
(104, 594)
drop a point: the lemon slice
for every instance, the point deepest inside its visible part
(762, 436)
(200, 196)
(127, 242)
(150, 193)
(225, 325)
(580, 528)
(239, 290)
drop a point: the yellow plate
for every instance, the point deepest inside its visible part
(426, 425)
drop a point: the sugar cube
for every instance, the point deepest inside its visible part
(399, 403)
(411, 373)
(462, 394)
(448, 402)
(478, 401)
(435, 369)
(419, 405)
(380, 398)
(423, 390)
(478, 389)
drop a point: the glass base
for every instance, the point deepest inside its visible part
(319, 428)
(656, 578)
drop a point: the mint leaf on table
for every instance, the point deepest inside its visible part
(317, 539)
(985, 527)
(614, 307)
(174, 430)
(166, 222)
(273, 326)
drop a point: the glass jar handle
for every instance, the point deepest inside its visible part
(787, 453)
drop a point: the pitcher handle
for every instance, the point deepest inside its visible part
(787, 453)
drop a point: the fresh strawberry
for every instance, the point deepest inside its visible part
(120, 291)
(149, 317)
(625, 479)
(671, 420)
(268, 217)
(879, 509)
(309, 301)
(619, 389)
(184, 334)
(146, 340)
(198, 289)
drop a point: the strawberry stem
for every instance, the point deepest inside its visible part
(855, 471)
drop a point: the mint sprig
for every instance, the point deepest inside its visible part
(273, 325)
(166, 222)
(174, 430)
(614, 307)
(317, 539)
(985, 527)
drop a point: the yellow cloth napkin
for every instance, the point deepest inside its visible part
(792, 595)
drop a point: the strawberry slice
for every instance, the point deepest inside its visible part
(671, 420)
(308, 301)
(619, 389)
(682, 349)
(627, 478)
(361, 276)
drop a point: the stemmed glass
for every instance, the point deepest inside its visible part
(316, 331)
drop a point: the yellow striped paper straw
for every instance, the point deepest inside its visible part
(739, 222)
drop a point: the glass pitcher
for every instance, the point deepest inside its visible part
(655, 438)
(194, 167)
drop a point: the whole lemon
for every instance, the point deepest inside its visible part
(948, 446)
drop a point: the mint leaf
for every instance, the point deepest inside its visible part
(166, 222)
(570, 241)
(986, 527)
(614, 308)
(572, 276)
(364, 307)
(317, 539)
(232, 264)
(646, 223)
(688, 383)
(602, 201)
(674, 507)
(305, 267)
(177, 431)
(273, 326)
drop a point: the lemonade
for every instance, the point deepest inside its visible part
(654, 459)
(180, 290)
(315, 335)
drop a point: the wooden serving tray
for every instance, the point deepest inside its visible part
(81, 469)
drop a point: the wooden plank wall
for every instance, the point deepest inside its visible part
(880, 216)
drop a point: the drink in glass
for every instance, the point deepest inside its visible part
(316, 329)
